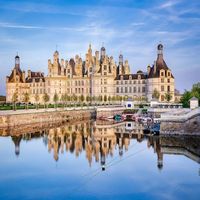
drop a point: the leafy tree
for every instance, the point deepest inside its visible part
(82, 99)
(26, 98)
(105, 98)
(109, 99)
(62, 99)
(46, 99)
(156, 94)
(55, 99)
(168, 97)
(14, 100)
(187, 95)
(37, 98)
(74, 99)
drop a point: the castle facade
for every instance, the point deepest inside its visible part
(98, 77)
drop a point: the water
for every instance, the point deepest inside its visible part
(94, 160)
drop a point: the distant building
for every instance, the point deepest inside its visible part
(194, 103)
(97, 77)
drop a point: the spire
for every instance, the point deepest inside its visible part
(160, 51)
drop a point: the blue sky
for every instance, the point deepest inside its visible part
(133, 27)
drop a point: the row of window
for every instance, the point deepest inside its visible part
(131, 82)
(130, 89)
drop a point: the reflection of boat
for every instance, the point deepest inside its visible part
(152, 129)
(118, 117)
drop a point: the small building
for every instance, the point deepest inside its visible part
(194, 103)
(129, 104)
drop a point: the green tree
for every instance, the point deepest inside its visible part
(46, 99)
(14, 100)
(105, 98)
(168, 97)
(156, 94)
(55, 99)
(187, 95)
(109, 99)
(62, 99)
(37, 98)
(26, 98)
(74, 99)
(82, 99)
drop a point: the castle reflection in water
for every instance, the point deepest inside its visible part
(100, 139)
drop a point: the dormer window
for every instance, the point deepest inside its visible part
(139, 77)
(121, 77)
(130, 77)
(168, 74)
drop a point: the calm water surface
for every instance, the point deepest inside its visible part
(94, 160)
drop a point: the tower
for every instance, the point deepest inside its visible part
(160, 51)
(56, 56)
(120, 59)
(103, 53)
(17, 62)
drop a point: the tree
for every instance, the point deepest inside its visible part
(37, 98)
(109, 99)
(14, 100)
(46, 99)
(74, 98)
(26, 98)
(168, 97)
(113, 99)
(88, 99)
(156, 94)
(187, 95)
(55, 99)
(62, 99)
(82, 99)
(105, 98)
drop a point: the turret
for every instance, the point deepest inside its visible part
(103, 53)
(148, 69)
(17, 62)
(120, 59)
(160, 51)
(56, 56)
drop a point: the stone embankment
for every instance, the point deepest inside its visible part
(24, 117)
(60, 115)
(181, 123)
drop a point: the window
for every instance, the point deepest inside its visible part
(143, 89)
(105, 73)
(162, 88)
(105, 81)
(126, 90)
(130, 89)
(105, 89)
(68, 70)
(121, 89)
(138, 89)
(130, 82)
(105, 67)
(169, 73)
(125, 82)
(117, 90)
(162, 73)
(168, 80)
(162, 80)
(168, 88)
(134, 89)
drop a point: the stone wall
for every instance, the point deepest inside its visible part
(109, 112)
(186, 127)
(16, 120)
